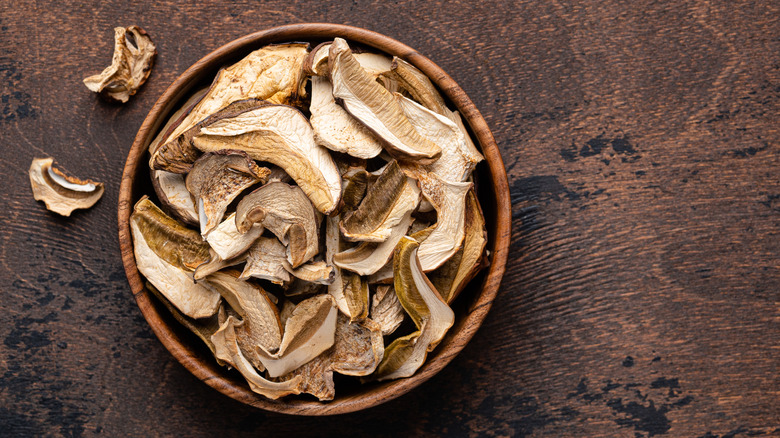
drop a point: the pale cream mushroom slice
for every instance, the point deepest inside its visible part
(308, 331)
(225, 342)
(333, 245)
(60, 192)
(266, 259)
(166, 253)
(216, 179)
(227, 242)
(316, 62)
(317, 272)
(370, 103)
(386, 310)
(285, 211)
(216, 263)
(387, 203)
(281, 135)
(433, 318)
(131, 65)
(455, 273)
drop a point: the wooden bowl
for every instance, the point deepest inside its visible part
(470, 308)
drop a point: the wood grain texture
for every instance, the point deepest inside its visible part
(641, 296)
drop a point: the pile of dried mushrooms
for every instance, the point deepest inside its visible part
(317, 214)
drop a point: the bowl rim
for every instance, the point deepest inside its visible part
(476, 312)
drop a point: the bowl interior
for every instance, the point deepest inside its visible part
(470, 307)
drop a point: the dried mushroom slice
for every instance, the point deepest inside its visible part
(455, 273)
(266, 260)
(354, 186)
(285, 211)
(227, 242)
(423, 303)
(316, 63)
(308, 332)
(417, 84)
(335, 128)
(216, 263)
(317, 272)
(388, 201)
(61, 193)
(386, 310)
(281, 135)
(227, 350)
(356, 296)
(216, 179)
(166, 253)
(130, 67)
(334, 244)
(370, 103)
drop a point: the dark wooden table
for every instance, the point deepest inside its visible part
(642, 296)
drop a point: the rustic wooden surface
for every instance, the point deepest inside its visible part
(642, 142)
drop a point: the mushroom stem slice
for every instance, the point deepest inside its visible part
(370, 103)
(281, 135)
(130, 67)
(61, 193)
(227, 349)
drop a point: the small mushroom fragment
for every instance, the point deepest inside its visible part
(428, 311)
(267, 260)
(356, 296)
(389, 201)
(281, 135)
(166, 253)
(227, 242)
(216, 179)
(226, 343)
(455, 273)
(357, 350)
(130, 67)
(370, 103)
(61, 193)
(308, 331)
(285, 211)
(386, 310)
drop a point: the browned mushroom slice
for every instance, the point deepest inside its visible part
(455, 273)
(308, 332)
(226, 343)
(61, 193)
(166, 253)
(417, 84)
(370, 103)
(314, 272)
(357, 350)
(356, 296)
(354, 186)
(216, 179)
(367, 257)
(281, 135)
(404, 356)
(227, 242)
(130, 67)
(386, 310)
(284, 210)
(391, 199)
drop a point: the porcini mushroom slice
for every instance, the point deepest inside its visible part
(285, 211)
(404, 356)
(316, 62)
(333, 245)
(356, 296)
(61, 193)
(266, 260)
(455, 273)
(335, 128)
(228, 242)
(387, 203)
(281, 135)
(216, 263)
(166, 253)
(354, 185)
(227, 349)
(315, 272)
(216, 179)
(418, 85)
(370, 103)
(309, 331)
(130, 67)
(386, 310)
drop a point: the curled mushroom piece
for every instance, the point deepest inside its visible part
(267, 260)
(130, 67)
(281, 135)
(417, 85)
(216, 179)
(423, 303)
(284, 210)
(386, 310)
(166, 253)
(370, 103)
(356, 296)
(61, 193)
(227, 242)
(316, 62)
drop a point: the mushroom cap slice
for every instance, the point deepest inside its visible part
(216, 179)
(216, 263)
(418, 85)
(335, 128)
(166, 252)
(130, 67)
(266, 260)
(227, 242)
(226, 343)
(387, 202)
(356, 295)
(370, 103)
(316, 62)
(281, 135)
(284, 210)
(61, 193)
(386, 310)
(425, 306)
